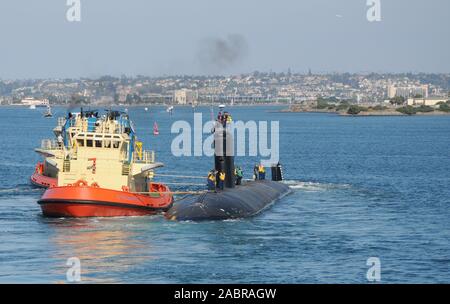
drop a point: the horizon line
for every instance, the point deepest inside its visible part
(138, 75)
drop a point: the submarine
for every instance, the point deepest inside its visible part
(234, 201)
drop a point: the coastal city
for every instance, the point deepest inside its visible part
(247, 89)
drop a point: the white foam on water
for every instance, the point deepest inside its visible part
(20, 190)
(14, 164)
(313, 186)
(232, 220)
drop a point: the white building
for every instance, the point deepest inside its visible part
(407, 91)
(185, 96)
(34, 102)
(432, 101)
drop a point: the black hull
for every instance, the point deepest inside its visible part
(232, 203)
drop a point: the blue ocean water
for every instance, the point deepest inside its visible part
(362, 187)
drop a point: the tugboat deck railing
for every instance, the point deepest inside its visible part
(50, 144)
(146, 157)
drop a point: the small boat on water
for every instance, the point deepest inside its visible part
(97, 167)
(155, 129)
(169, 110)
(32, 107)
(48, 113)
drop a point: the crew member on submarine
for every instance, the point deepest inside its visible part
(221, 180)
(261, 172)
(212, 180)
(239, 174)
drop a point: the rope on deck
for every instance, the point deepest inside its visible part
(173, 192)
(185, 184)
(196, 177)
(181, 176)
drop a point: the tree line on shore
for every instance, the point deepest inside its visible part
(332, 104)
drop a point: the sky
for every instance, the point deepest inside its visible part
(205, 37)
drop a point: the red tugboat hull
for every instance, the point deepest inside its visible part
(43, 181)
(92, 201)
(40, 180)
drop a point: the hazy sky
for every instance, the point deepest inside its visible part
(160, 37)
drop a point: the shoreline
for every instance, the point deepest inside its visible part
(150, 105)
(372, 113)
(366, 113)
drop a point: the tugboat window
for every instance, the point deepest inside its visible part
(89, 143)
(98, 143)
(80, 142)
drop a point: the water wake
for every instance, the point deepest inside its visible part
(20, 189)
(314, 186)
(8, 164)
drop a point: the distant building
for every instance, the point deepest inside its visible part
(185, 96)
(35, 102)
(432, 101)
(408, 91)
(122, 97)
(104, 100)
(391, 91)
(3, 100)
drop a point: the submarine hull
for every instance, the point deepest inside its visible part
(232, 203)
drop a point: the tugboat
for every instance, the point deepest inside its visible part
(98, 167)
